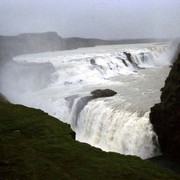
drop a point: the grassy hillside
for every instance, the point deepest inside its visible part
(34, 145)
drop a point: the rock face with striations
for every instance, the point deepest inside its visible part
(165, 116)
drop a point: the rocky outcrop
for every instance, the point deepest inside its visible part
(165, 116)
(129, 58)
(103, 93)
(93, 62)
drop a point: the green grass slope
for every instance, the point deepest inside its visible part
(34, 145)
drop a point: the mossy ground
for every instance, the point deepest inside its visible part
(34, 145)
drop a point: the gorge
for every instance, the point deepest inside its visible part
(60, 83)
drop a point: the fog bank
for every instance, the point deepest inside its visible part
(115, 19)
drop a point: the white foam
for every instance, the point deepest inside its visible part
(117, 130)
(57, 83)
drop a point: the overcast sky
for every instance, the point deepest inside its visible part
(107, 19)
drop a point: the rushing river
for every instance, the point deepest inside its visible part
(60, 83)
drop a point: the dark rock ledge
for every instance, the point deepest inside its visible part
(165, 116)
(103, 93)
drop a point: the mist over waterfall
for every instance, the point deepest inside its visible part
(60, 84)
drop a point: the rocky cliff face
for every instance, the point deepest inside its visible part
(165, 116)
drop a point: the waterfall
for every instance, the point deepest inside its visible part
(60, 84)
(117, 130)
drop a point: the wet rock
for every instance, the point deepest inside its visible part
(93, 62)
(142, 56)
(124, 62)
(129, 58)
(128, 55)
(73, 135)
(165, 116)
(103, 93)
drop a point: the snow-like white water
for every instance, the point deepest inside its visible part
(60, 84)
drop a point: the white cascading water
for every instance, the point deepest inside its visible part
(60, 84)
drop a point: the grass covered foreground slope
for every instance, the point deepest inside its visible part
(34, 145)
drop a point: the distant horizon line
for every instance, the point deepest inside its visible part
(68, 37)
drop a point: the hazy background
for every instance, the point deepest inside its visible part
(107, 19)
